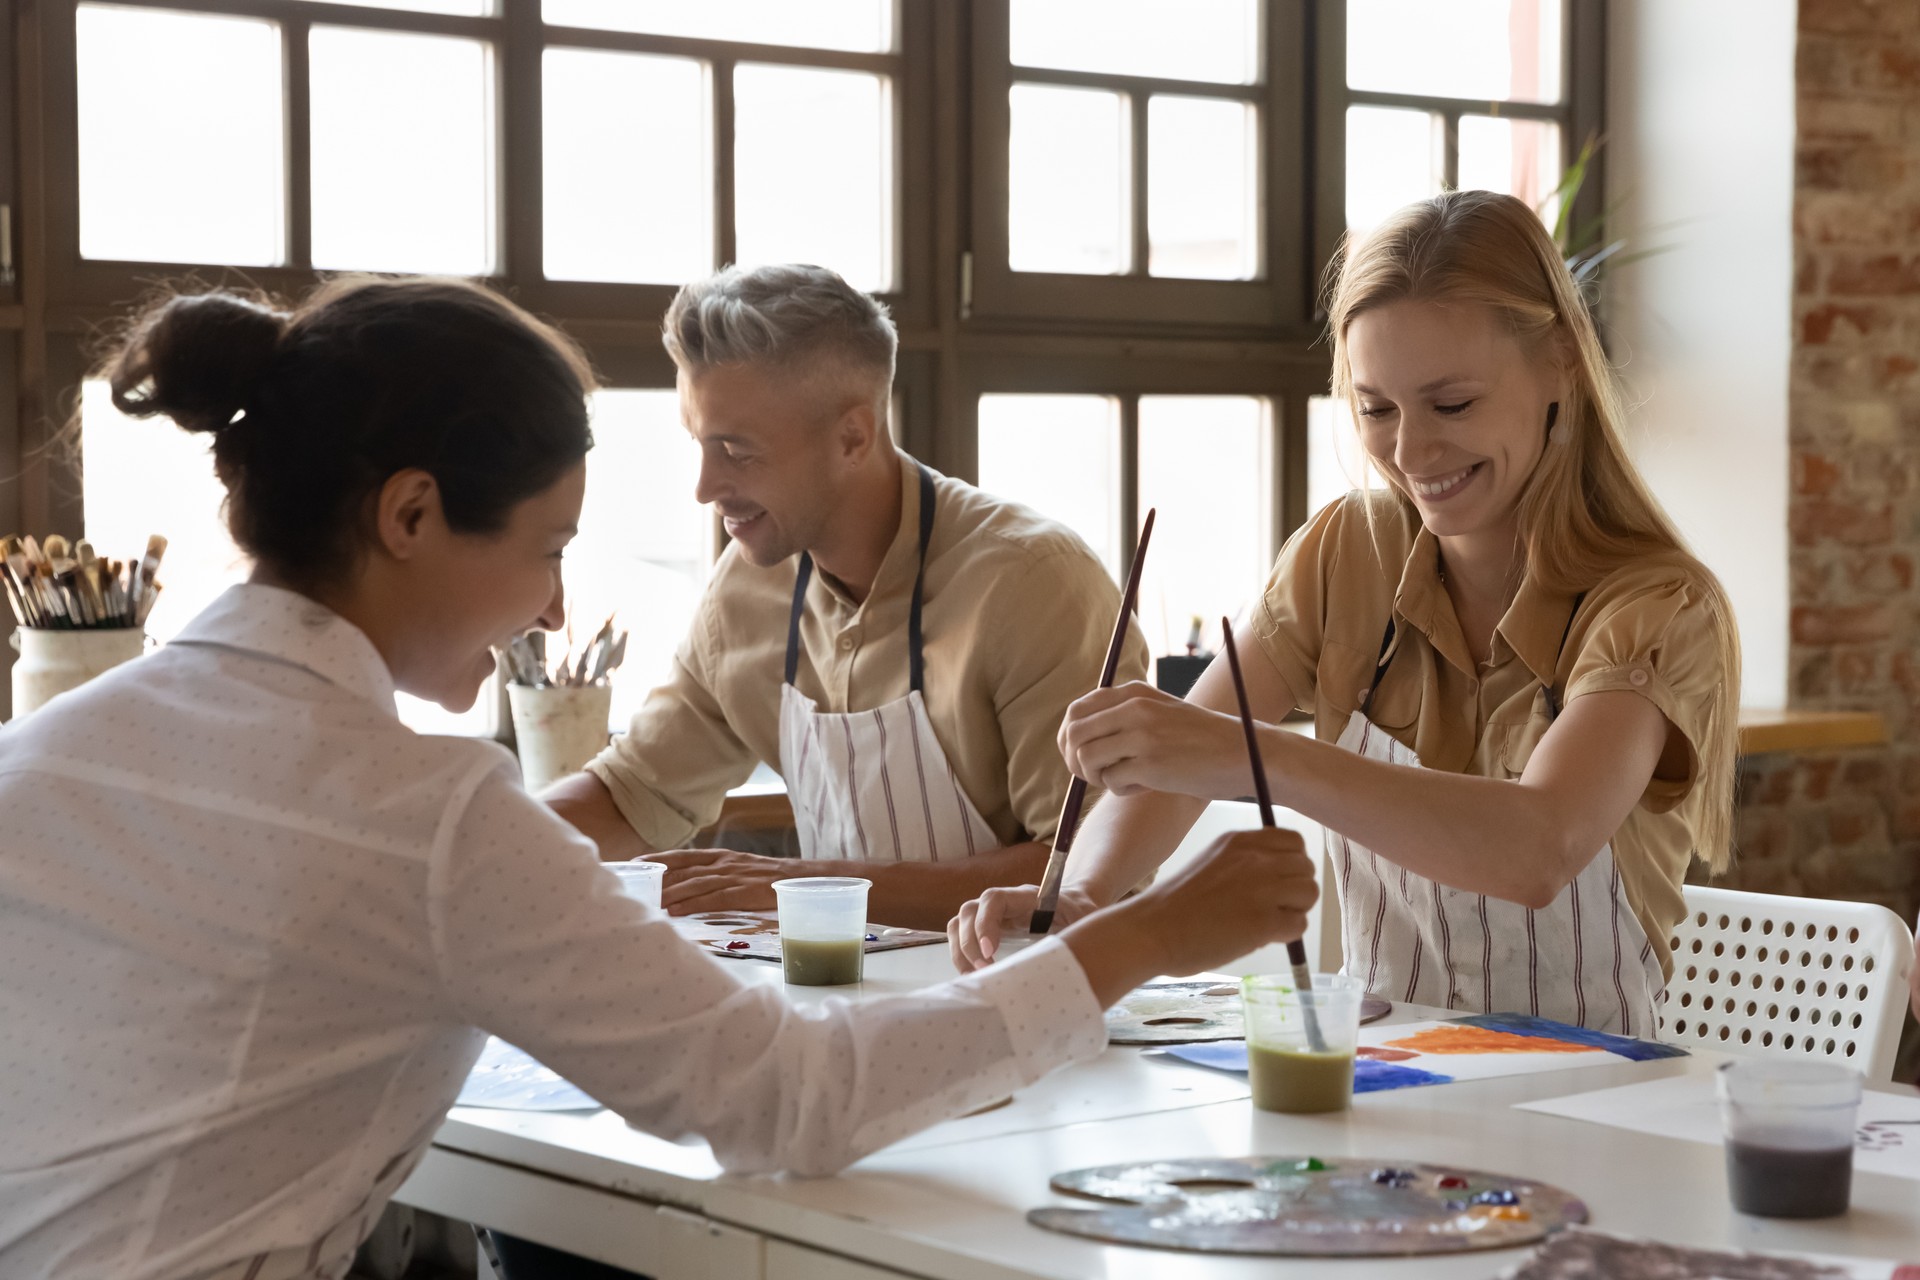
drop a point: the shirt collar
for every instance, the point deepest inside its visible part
(1533, 626)
(1423, 601)
(289, 627)
(901, 564)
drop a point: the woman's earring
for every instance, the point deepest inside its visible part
(1555, 432)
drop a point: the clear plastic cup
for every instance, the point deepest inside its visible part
(641, 880)
(1300, 1043)
(1789, 1130)
(823, 929)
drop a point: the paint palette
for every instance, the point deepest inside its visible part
(1193, 1011)
(755, 935)
(1303, 1206)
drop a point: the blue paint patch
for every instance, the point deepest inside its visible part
(1221, 1055)
(1369, 1075)
(1373, 1076)
(1521, 1024)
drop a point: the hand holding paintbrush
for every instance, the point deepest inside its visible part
(1076, 800)
(1296, 950)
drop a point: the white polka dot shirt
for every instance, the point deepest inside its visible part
(254, 930)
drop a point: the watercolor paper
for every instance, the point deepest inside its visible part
(509, 1079)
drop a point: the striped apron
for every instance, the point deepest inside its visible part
(1583, 959)
(874, 786)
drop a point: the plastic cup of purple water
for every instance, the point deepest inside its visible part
(1789, 1133)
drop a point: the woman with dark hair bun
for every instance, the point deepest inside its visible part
(255, 931)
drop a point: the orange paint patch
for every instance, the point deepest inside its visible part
(1440, 1040)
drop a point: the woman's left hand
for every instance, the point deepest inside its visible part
(1135, 738)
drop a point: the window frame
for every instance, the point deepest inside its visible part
(1277, 302)
(962, 332)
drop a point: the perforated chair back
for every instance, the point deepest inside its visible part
(1760, 973)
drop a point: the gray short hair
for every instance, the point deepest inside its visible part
(778, 315)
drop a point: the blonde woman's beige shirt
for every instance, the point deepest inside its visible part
(1647, 629)
(1017, 614)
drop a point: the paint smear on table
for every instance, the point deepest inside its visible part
(1579, 1254)
(1478, 1047)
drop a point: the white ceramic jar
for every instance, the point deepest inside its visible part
(52, 662)
(557, 728)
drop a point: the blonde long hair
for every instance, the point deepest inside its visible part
(1585, 511)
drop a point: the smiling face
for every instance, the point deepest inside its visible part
(467, 593)
(1451, 410)
(770, 458)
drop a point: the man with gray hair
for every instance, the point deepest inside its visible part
(898, 644)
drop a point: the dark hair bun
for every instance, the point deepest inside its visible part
(196, 359)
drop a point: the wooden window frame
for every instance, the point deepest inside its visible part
(961, 334)
(1278, 302)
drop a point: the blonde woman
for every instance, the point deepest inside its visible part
(1522, 685)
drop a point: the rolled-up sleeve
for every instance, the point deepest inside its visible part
(537, 945)
(1663, 643)
(672, 769)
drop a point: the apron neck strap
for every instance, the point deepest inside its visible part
(916, 662)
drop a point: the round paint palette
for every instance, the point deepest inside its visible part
(1307, 1207)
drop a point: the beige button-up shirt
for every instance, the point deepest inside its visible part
(1017, 613)
(1647, 628)
(253, 933)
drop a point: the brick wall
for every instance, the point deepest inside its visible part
(1847, 824)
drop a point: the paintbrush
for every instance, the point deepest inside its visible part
(1063, 831)
(1296, 950)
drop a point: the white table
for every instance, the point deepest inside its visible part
(950, 1203)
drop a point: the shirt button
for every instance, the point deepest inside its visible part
(1638, 677)
(846, 643)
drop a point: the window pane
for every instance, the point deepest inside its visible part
(1335, 466)
(1206, 467)
(1059, 455)
(402, 152)
(1483, 49)
(864, 26)
(1518, 157)
(166, 102)
(1067, 181)
(629, 188)
(142, 477)
(1394, 157)
(1201, 161)
(645, 546)
(1217, 40)
(813, 171)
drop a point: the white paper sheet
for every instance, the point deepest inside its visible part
(1887, 1141)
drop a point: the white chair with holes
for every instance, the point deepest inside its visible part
(1759, 973)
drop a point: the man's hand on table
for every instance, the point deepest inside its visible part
(721, 880)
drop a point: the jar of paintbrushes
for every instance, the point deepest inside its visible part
(79, 614)
(560, 709)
